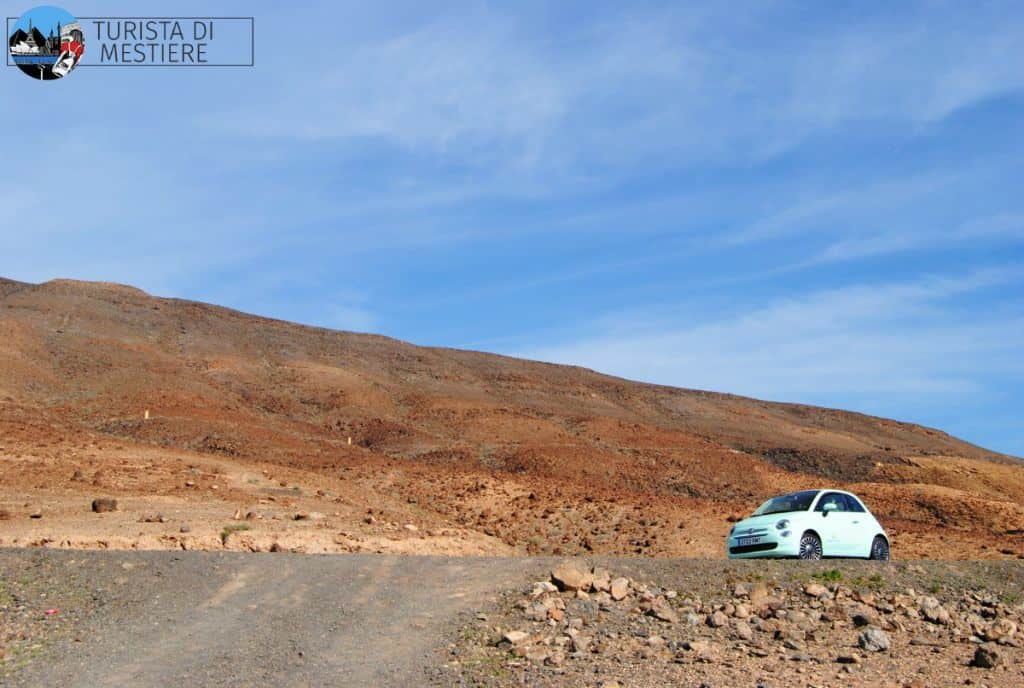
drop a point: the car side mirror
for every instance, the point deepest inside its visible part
(826, 508)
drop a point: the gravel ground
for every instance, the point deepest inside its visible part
(234, 619)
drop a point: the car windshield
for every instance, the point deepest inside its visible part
(797, 501)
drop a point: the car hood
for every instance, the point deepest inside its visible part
(768, 521)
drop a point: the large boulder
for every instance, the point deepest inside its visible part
(570, 577)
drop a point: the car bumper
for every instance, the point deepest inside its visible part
(770, 545)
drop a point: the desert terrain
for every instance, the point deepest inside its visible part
(183, 438)
(211, 429)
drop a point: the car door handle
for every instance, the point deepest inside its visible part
(856, 522)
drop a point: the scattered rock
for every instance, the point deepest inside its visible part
(601, 623)
(1001, 630)
(703, 650)
(542, 588)
(661, 610)
(933, 611)
(717, 619)
(985, 658)
(104, 505)
(873, 640)
(38, 513)
(619, 588)
(516, 638)
(862, 619)
(815, 590)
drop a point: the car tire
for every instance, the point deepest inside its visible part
(810, 546)
(879, 549)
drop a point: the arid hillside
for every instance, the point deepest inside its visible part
(213, 428)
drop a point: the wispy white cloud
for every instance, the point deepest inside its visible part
(819, 213)
(874, 346)
(483, 87)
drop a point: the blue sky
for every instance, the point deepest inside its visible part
(815, 202)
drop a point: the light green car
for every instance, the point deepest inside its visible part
(811, 524)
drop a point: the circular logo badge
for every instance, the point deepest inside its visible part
(46, 43)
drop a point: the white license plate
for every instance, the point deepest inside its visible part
(747, 541)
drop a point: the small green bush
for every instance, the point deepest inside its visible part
(232, 528)
(831, 576)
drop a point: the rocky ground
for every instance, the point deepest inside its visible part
(623, 623)
(183, 500)
(232, 619)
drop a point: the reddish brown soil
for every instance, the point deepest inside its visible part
(481, 453)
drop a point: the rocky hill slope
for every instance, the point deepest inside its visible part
(515, 455)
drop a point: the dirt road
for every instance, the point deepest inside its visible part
(121, 618)
(227, 619)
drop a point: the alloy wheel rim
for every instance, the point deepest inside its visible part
(810, 547)
(881, 550)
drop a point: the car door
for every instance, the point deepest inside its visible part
(860, 530)
(831, 524)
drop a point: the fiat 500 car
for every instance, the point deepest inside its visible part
(811, 524)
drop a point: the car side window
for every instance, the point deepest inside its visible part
(853, 504)
(831, 498)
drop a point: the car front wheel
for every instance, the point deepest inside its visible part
(810, 546)
(880, 549)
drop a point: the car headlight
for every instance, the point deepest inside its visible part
(732, 530)
(782, 525)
